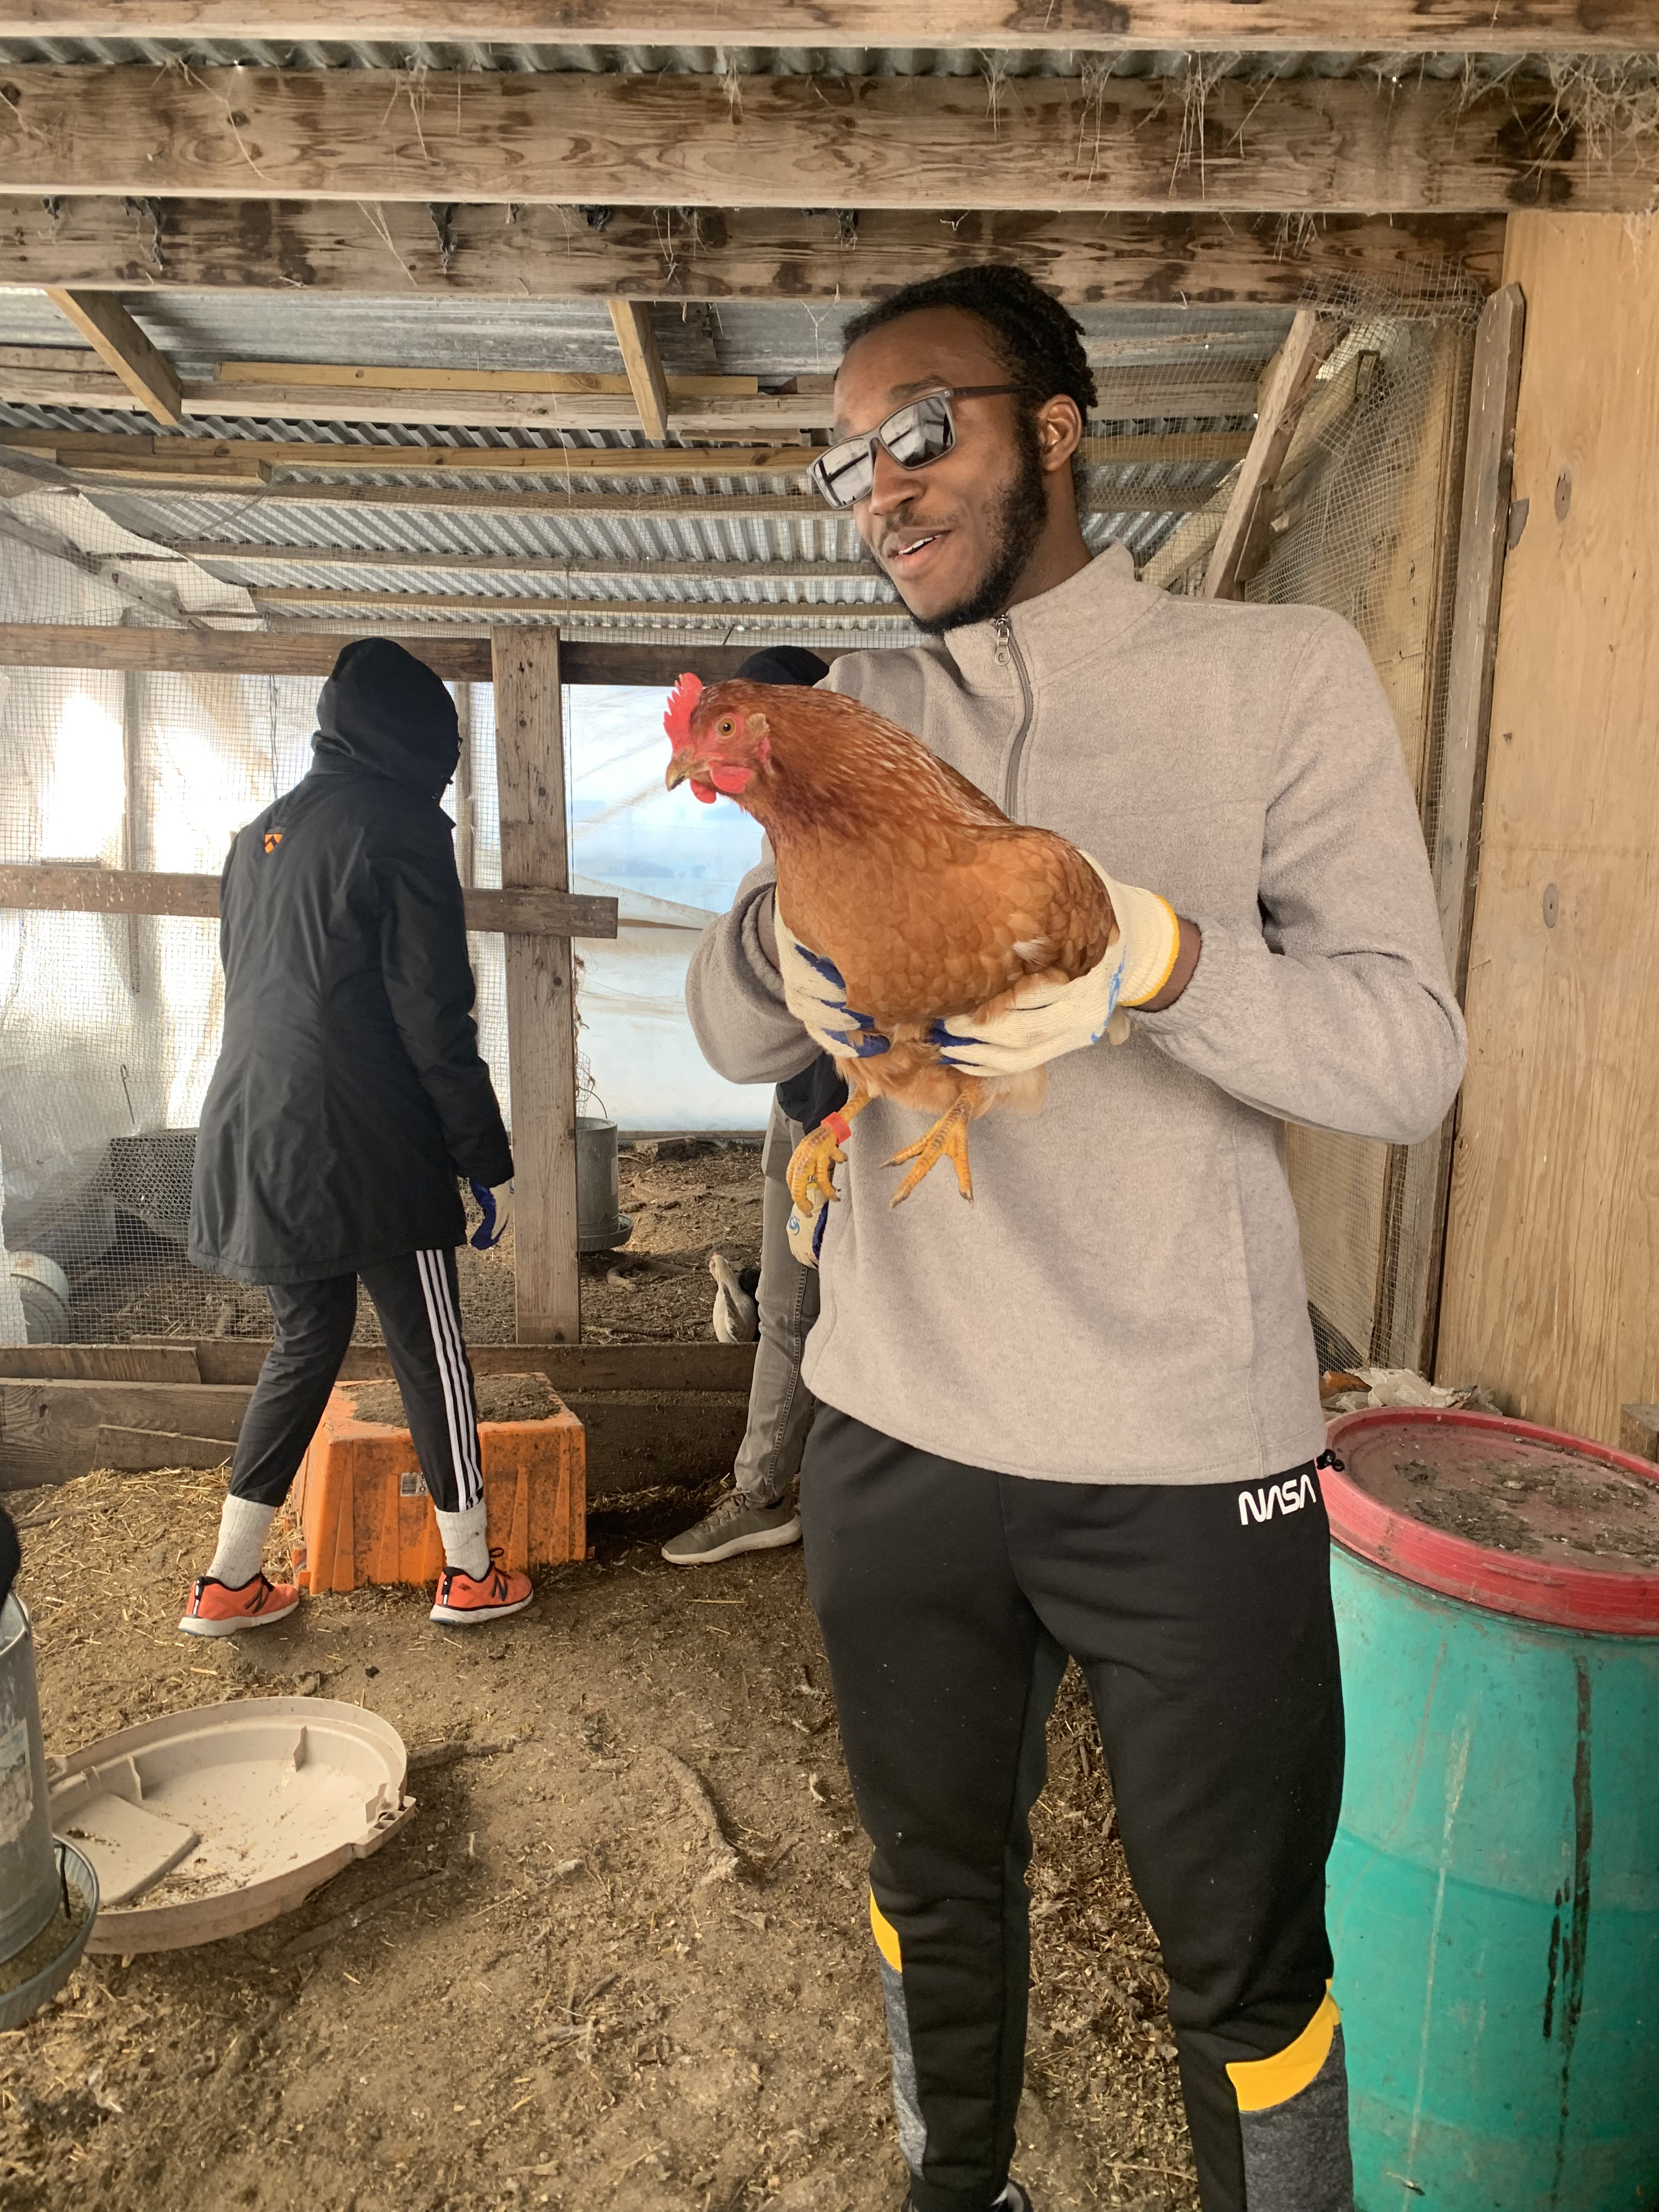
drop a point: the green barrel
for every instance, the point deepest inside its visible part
(1494, 1887)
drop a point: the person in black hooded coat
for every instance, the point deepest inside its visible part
(349, 1098)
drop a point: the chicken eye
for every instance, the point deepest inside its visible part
(726, 727)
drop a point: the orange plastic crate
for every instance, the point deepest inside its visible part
(365, 1515)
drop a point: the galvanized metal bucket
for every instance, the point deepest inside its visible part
(601, 1226)
(28, 1865)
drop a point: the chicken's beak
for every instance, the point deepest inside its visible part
(678, 768)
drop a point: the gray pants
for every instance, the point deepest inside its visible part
(779, 1404)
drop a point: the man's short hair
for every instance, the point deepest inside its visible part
(1039, 342)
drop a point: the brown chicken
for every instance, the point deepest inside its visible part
(930, 902)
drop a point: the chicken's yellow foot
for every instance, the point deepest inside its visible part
(813, 1162)
(946, 1139)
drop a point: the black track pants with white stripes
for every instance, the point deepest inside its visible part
(415, 1297)
(950, 1598)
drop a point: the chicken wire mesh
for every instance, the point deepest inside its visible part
(109, 1026)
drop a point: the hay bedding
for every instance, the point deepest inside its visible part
(547, 1947)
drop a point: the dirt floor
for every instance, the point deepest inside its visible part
(686, 1196)
(532, 1995)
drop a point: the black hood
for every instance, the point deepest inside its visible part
(784, 663)
(385, 710)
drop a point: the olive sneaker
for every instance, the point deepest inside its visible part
(734, 1525)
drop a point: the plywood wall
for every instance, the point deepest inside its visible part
(1551, 1294)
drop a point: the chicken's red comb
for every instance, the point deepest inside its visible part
(682, 700)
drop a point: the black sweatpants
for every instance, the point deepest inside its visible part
(948, 1598)
(414, 1296)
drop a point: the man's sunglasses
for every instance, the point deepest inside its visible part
(912, 436)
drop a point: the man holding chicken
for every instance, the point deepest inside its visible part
(1042, 1413)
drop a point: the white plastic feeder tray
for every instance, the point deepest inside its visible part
(210, 1822)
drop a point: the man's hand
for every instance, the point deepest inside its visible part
(496, 1206)
(816, 997)
(1146, 967)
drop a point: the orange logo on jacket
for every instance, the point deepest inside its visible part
(273, 839)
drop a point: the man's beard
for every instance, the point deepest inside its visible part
(1021, 517)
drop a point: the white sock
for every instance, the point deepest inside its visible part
(465, 1544)
(243, 1527)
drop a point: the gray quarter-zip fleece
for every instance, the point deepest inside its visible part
(1123, 1301)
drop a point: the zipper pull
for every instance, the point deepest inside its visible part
(1002, 630)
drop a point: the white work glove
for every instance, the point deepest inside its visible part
(496, 1206)
(816, 997)
(1048, 1019)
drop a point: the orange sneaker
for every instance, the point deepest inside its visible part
(463, 1599)
(217, 1609)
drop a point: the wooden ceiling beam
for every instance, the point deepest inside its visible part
(771, 254)
(1496, 26)
(136, 459)
(1292, 143)
(116, 340)
(29, 377)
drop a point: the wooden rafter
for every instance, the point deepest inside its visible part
(486, 604)
(1285, 389)
(218, 552)
(139, 459)
(1269, 26)
(1313, 144)
(29, 375)
(116, 340)
(756, 253)
(642, 359)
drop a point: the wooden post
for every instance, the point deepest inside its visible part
(1422, 1173)
(132, 857)
(466, 825)
(637, 340)
(541, 1035)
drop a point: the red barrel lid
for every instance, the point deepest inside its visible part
(1518, 1519)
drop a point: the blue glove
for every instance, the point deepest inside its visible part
(496, 1206)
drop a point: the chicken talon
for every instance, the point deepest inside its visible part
(813, 1162)
(946, 1139)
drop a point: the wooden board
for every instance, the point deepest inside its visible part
(107, 1363)
(295, 653)
(1349, 1190)
(116, 340)
(1421, 1173)
(570, 1368)
(540, 997)
(661, 1433)
(61, 887)
(1551, 1293)
(1397, 26)
(1287, 387)
(144, 1451)
(760, 253)
(1320, 144)
(49, 1429)
(140, 458)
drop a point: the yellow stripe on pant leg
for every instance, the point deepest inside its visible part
(1260, 2082)
(886, 1936)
